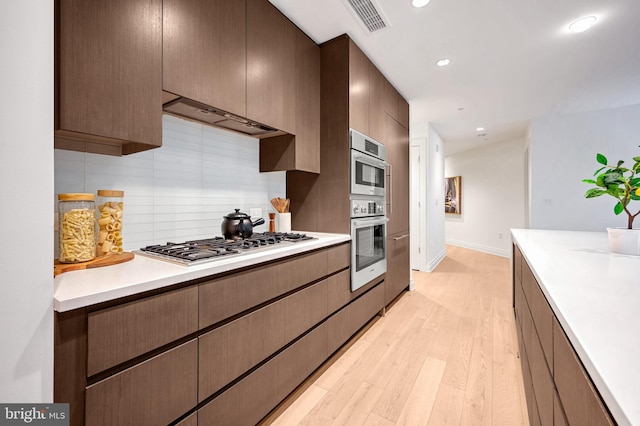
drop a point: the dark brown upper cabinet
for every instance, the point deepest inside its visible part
(371, 95)
(302, 151)
(395, 105)
(204, 52)
(359, 105)
(271, 42)
(108, 75)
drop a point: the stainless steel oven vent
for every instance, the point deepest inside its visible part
(370, 14)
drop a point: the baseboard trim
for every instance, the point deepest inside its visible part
(479, 247)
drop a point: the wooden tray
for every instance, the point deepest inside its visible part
(106, 260)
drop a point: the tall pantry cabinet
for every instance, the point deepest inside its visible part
(355, 94)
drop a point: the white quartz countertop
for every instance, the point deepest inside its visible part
(595, 295)
(77, 289)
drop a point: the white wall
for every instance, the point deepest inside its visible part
(428, 190)
(563, 152)
(182, 190)
(26, 182)
(493, 197)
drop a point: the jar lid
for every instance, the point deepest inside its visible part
(76, 197)
(110, 193)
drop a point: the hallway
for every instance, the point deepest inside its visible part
(444, 354)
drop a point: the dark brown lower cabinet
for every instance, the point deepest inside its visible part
(222, 350)
(557, 388)
(254, 396)
(154, 392)
(582, 404)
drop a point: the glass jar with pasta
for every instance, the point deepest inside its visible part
(77, 227)
(110, 215)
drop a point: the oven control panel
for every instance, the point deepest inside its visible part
(364, 208)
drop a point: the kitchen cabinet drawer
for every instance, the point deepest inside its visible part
(154, 392)
(204, 52)
(517, 265)
(229, 351)
(228, 296)
(542, 381)
(344, 323)
(338, 257)
(108, 76)
(338, 330)
(366, 307)
(520, 303)
(339, 290)
(398, 270)
(582, 404)
(528, 283)
(542, 320)
(249, 400)
(120, 333)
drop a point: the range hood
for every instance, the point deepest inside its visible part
(193, 110)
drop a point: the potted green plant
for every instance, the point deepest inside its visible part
(623, 184)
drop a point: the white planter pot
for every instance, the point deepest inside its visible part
(624, 241)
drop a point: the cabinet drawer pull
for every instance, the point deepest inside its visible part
(400, 237)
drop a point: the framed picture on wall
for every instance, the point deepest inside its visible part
(453, 195)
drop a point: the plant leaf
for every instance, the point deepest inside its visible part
(634, 181)
(601, 159)
(590, 181)
(594, 192)
(599, 170)
(618, 208)
(635, 195)
(636, 159)
(620, 163)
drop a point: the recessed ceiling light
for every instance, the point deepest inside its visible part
(479, 129)
(420, 3)
(443, 62)
(582, 24)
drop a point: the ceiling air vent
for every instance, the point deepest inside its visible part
(369, 13)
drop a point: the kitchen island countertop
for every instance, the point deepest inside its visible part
(78, 289)
(595, 295)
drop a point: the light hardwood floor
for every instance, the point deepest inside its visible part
(444, 354)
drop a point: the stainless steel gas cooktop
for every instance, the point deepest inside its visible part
(211, 249)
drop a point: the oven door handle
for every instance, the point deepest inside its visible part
(367, 159)
(368, 222)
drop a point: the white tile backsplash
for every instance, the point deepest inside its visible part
(180, 191)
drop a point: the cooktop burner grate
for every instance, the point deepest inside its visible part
(199, 251)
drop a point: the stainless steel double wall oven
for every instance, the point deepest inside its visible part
(368, 209)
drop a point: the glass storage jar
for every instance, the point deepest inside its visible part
(77, 227)
(110, 215)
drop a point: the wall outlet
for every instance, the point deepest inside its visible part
(255, 212)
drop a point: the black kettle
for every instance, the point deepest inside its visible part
(238, 225)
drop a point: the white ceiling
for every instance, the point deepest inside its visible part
(511, 60)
